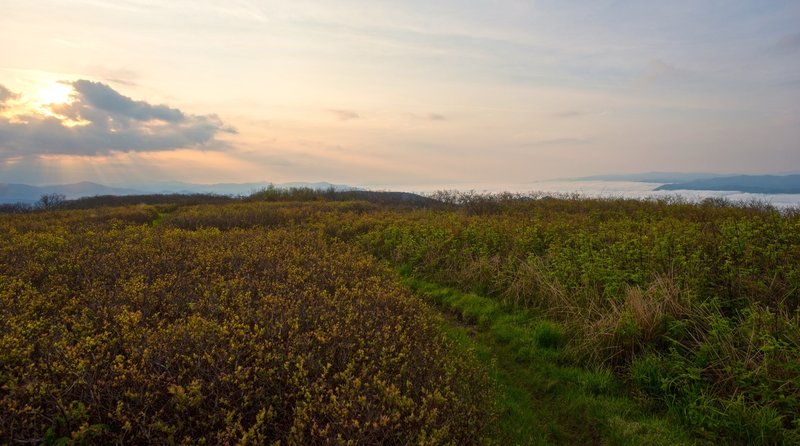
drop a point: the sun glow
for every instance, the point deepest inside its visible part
(53, 93)
(44, 101)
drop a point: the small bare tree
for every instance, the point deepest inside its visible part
(50, 201)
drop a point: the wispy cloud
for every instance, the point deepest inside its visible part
(657, 71)
(569, 114)
(560, 142)
(344, 115)
(100, 120)
(788, 44)
(118, 76)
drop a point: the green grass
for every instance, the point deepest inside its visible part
(542, 400)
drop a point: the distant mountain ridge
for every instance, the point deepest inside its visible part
(171, 187)
(652, 177)
(758, 184)
(25, 193)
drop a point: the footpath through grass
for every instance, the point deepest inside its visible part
(541, 400)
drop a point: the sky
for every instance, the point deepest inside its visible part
(387, 94)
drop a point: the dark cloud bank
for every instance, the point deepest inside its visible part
(113, 122)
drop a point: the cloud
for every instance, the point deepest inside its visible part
(658, 74)
(344, 115)
(657, 70)
(561, 142)
(569, 114)
(5, 95)
(427, 116)
(788, 44)
(115, 76)
(105, 99)
(100, 120)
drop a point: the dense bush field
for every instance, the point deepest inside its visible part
(115, 331)
(272, 320)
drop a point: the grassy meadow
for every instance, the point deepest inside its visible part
(303, 317)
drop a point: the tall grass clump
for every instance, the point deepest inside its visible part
(685, 286)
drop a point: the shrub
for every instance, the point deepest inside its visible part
(141, 334)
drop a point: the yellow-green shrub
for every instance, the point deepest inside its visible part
(138, 334)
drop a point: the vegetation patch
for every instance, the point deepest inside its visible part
(120, 332)
(269, 318)
(541, 399)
